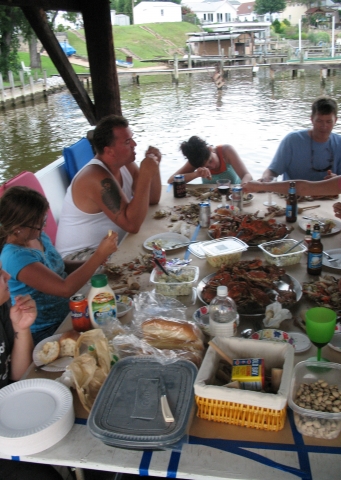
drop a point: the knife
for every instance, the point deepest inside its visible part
(166, 411)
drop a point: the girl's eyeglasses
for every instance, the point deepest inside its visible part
(37, 228)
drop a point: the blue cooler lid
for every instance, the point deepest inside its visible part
(127, 411)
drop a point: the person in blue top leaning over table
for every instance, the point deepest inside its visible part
(313, 154)
(35, 266)
(211, 163)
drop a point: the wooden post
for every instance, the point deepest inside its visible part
(45, 84)
(272, 75)
(11, 82)
(222, 62)
(176, 69)
(31, 86)
(2, 88)
(189, 63)
(22, 80)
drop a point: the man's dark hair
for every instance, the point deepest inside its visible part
(196, 151)
(103, 135)
(324, 106)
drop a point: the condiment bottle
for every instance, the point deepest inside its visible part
(223, 316)
(291, 208)
(307, 236)
(315, 252)
(179, 186)
(101, 302)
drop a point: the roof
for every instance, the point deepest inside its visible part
(158, 4)
(208, 6)
(313, 10)
(246, 8)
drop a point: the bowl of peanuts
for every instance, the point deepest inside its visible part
(315, 398)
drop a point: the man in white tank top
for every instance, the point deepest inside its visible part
(111, 191)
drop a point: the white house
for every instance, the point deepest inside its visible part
(213, 12)
(156, 12)
(246, 13)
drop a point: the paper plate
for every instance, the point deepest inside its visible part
(34, 415)
(335, 253)
(201, 317)
(302, 223)
(246, 198)
(166, 240)
(124, 304)
(58, 365)
(301, 341)
(335, 342)
(271, 334)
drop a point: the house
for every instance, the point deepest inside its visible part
(213, 11)
(246, 13)
(156, 12)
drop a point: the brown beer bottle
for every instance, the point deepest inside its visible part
(291, 208)
(315, 252)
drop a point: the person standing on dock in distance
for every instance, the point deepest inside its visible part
(313, 154)
(211, 163)
(110, 191)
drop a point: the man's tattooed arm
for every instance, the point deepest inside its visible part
(111, 195)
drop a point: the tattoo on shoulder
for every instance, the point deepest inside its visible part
(110, 194)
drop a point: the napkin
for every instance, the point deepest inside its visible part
(275, 314)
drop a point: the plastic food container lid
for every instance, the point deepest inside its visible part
(127, 411)
(224, 247)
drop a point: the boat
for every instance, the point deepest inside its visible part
(67, 48)
(123, 63)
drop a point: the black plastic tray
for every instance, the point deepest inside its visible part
(127, 411)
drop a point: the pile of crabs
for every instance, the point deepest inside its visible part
(247, 227)
(251, 284)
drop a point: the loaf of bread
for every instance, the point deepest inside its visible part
(67, 343)
(49, 352)
(172, 334)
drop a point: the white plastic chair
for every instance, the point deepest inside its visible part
(26, 69)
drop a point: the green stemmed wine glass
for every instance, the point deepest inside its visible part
(320, 325)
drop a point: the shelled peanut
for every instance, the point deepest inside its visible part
(321, 397)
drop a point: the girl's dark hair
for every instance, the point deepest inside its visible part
(196, 151)
(20, 206)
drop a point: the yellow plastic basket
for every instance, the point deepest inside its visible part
(242, 415)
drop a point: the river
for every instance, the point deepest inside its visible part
(249, 113)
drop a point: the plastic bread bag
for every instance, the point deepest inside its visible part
(172, 334)
(91, 365)
(130, 345)
(150, 304)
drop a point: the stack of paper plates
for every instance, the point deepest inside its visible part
(34, 415)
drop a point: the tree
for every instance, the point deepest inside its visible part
(12, 24)
(269, 6)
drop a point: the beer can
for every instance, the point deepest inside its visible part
(80, 313)
(204, 214)
(179, 186)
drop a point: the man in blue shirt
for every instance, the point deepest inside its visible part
(313, 154)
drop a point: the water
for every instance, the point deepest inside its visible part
(250, 114)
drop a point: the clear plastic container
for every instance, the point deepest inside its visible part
(224, 252)
(223, 315)
(180, 281)
(274, 252)
(101, 302)
(314, 423)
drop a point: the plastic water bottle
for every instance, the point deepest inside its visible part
(223, 315)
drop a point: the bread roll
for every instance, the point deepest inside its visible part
(49, 352)
(67, 343)
(172, 334)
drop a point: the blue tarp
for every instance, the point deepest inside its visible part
(67, 49)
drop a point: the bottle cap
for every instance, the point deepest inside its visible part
(222, 291)
(100, 280)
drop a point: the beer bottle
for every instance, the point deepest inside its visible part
(315, 252)
(307, 236)
(291, 209)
